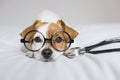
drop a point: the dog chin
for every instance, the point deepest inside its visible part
(53, 58)
(46, 60)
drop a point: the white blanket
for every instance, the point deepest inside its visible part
(14, 65)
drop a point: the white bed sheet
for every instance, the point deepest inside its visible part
(14, 65)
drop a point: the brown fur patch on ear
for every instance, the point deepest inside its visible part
(34, 26)
(66, 28)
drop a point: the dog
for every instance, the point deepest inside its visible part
(48, 24)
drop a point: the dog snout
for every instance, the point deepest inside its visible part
(46, 53)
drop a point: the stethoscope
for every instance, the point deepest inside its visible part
(76, 51)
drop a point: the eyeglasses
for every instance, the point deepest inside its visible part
(60, 40)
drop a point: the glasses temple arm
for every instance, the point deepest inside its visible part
(24, 41)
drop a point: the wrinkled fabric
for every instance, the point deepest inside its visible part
(14, 65)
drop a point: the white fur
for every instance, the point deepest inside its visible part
(48, 16)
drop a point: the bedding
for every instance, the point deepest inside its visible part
(14, 65)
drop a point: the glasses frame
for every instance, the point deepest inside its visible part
(46, 40)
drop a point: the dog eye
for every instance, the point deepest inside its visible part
(58, 39)
(37, 39)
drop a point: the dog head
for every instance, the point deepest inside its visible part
(51, 39)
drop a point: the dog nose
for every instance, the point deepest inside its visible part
(46, 53)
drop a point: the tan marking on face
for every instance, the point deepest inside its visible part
(52, 29)
(68, 29)
(35, 26)
(62, 44)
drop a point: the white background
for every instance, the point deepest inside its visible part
(75, 12)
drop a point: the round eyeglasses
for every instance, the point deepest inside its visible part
(35, 40)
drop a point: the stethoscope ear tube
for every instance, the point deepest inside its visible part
(89, 49)
(104, 51)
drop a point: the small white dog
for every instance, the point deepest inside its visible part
(48, 37)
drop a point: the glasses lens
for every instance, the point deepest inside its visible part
(61, 41)
(35, 40)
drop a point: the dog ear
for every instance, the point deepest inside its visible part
(66, 28)
(34, 26)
